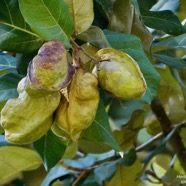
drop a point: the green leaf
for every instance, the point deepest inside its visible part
(82, 13)
(8, 86)
(7, 61)
(178, 42)
(100, 130)
(170, 61)
(105, 171)
(121, 111)
(126, 175)
(56, 172)
(50, 148)
(95, 36)
(15, 33)
(129, 157)
(127, 136)
(163, 20)
(14, 160)
(132, 45)
(49, 19)
(22, 61)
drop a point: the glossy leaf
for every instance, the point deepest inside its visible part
(15, 33)
(82, 13)
(132, 45)
(7, 61)
(163, 20)
(8, 86)
(14, 160)
(95, 36)
(170, 61)
(50, 148)
(178, 42)
(48, 19)
(100, 130)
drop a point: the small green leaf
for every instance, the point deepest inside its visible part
(164, 20)
(129, 157)
(95, 36)
(178, 42)
(132, 45)
(15, 33)
(14, 160)
(8, 86)
(82, 13)
(100, 130)
(7, 61)
(50, 148)
(170, 61)
(49, 19)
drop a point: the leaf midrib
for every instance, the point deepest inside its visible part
(19, 28)
(55, 19)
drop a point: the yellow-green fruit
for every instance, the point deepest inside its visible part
(50, 70)
(78, 112)
(26, 119)
(120, 74)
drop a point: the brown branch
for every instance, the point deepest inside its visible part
(76, 46)
(149, 142)
(166, 126)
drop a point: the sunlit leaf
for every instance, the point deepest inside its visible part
(50, 148)
(49, 19)
(132, 45)
(100, 130)
(15, 33)
(82, 13)
(8, 86)
(7, 61)
(14, 159)
(163, 20)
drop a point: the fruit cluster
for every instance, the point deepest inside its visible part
(56, 95)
